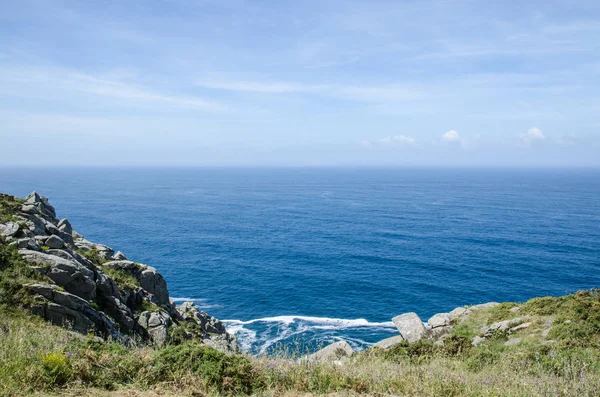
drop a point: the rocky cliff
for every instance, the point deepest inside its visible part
(90, 288)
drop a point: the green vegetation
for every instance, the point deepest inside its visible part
(93, 256)
(9, 206)
(41, 358)
(14, 272)
(125, 281)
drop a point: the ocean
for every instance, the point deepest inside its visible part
(296, 258)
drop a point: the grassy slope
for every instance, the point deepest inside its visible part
(36, 357)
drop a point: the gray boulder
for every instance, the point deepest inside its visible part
(55, 242)
(35, 225)
(105, 252)
(410, 326)
(119, 256)
(336, 351)
(30, 209)
(71, 275)
(72, 256)
(439, 333)
(26, 243)
(456, 313)
(65, 226)
(439, 320)
(153, 282)
(9, 229)
(157, 325)
(389, 342)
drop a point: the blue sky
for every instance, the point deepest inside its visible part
(300, 83)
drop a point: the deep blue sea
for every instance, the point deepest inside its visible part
(314, 255)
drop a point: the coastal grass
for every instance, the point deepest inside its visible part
(9, 206)
(38, 358)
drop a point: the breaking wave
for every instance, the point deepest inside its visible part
(264, 335)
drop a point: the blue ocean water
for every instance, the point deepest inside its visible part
(314, 255)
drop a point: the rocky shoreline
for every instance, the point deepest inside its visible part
(90, 288)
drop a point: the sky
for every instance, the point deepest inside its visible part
(300, 83)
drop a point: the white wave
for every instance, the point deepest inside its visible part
(189, 299)
(335, 322)
(246, 337)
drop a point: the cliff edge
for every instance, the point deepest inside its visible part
(90, 288)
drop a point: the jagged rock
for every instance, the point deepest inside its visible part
(224, 342)
(188, 310)
(29, 209)
(65, 226)
(214, 330)
(55, 242)
(84, 244)
(42, 203)
(157, 324)
(71, 311)
(87, 289)
(438, 333)
(26, 243)
(335, 351)
(73, 256)
(50, 228)
(105, 286)
(9, 229)
(119, 256)
(389, 342)
(71, 275)
(105, 252)
(410, 326)
(154, 282)
(35, 225)
(478, 340)
(439, 320)
(456, 313)
(149, 279)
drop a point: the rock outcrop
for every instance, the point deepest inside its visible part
(440, 326)
(88, 287)
(410, 326)
(334, 352)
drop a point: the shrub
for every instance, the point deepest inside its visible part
(219, 372)
(92, 255)
(501, 312)
(125, 281)
(57, 368)
(9, 206)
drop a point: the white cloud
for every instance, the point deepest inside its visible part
(532, 136)
(261, 87)
(401, 139)
(47, 83)
(451, 137)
